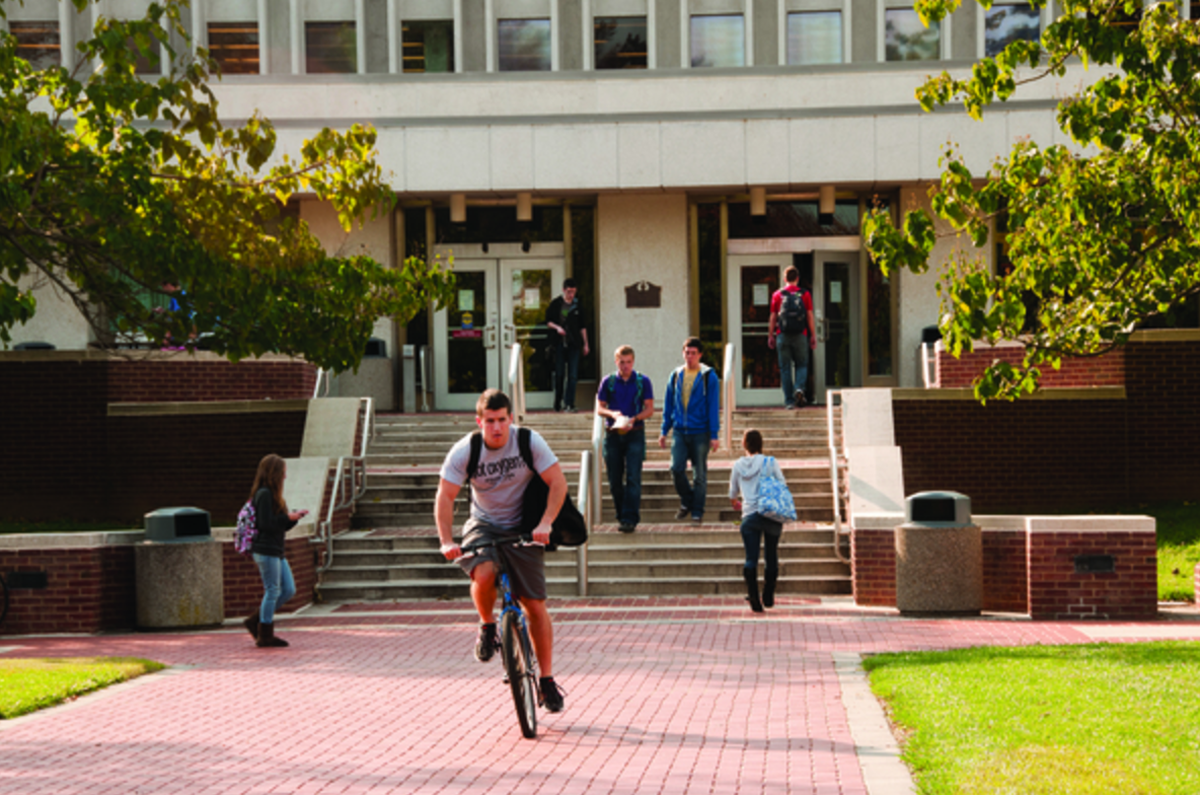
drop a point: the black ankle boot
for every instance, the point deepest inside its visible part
(751, 577)
(250, 622)
(769, 580)
(267, 639)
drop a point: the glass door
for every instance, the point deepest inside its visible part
(838, 358)
(531, 285)
(466, 358)
(499, 300)
(751, 281)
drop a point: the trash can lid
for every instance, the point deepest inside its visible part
(938, 508)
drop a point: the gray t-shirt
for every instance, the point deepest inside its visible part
(498, 487)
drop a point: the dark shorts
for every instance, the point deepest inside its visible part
(526, 565)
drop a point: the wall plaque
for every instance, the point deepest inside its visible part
(643, 295)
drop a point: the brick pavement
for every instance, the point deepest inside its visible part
(664, 696)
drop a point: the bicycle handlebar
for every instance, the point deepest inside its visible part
(521, 540)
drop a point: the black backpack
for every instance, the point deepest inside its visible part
(569, 528)
(793, 317)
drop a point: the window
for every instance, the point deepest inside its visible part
(234, 46)
(148, 61)
(37, 42)
(429, 46)
(620, 42)
(907, 38)
(1005, 24)
(524, 45)
(719, 40)
(814, 37)
(330, 48)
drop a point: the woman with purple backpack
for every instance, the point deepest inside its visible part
(274, 520)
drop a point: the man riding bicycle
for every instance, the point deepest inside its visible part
(497, 490)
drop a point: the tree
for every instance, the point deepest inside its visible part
(125, 192)
(1099, 241)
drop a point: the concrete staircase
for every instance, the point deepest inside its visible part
(392, 551)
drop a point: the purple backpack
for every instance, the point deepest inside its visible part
(247, 529)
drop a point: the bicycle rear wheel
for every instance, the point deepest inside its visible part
(521, 669)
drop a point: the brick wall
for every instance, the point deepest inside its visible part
(1057, 591)
(1033, 571)
(1057, 455)
(1106, 370)
(93, 589)
(1029, 456)
(67, 458)
(187, 379)
(87, 590)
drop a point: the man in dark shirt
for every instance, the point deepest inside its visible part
(568, 340)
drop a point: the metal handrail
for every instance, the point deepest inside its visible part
(322, 376)
(586, 506)
(516, 382)
(730, 395)
(423, 363)
(597, 451)
(832, 396)
(926, 359)
(348, 489)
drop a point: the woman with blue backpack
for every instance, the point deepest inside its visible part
(272, 520)
(758, 490)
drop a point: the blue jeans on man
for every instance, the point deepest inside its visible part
(690, 447)
(623, 457)
(793, 364)
(278, 585)
(566, 376)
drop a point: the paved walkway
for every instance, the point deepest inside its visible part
(663, 696)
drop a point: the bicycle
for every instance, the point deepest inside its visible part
(520, 664)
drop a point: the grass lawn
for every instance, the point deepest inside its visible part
(1178, 548)
(27, 685)
(1085, 720)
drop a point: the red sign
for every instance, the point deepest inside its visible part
(467, 334)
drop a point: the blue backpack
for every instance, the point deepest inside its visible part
(247, 529)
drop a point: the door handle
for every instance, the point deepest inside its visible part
(509, 335)
(489, 337)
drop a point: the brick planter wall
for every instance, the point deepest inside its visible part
(92, 588)
(175, 378)
(1106, 370)
(1032, 570)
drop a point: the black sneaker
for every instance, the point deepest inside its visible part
(625, 527)
(485, 647)
(800, 400)
(552, 695)
(683, 513)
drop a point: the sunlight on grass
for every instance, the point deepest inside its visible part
(29, 684)
(1097, 718)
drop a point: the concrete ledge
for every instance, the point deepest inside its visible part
(1047, 393)
(211, 407)
(1090, 524)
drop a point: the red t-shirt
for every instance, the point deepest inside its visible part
(777, 299)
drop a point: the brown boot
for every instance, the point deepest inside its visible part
(250, 622)
(267, 639)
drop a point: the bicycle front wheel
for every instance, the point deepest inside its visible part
(521, 668)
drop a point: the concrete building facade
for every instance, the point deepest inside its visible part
(674, 156)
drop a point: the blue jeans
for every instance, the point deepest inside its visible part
(755, 528)
(793, 364)
(566, 363)
(623, 457)
(278, 585)
(690, 447)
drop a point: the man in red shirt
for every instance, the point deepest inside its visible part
(792, 333)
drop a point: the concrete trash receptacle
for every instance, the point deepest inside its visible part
(179, 571)
(939, 556)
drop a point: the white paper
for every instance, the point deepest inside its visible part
(762, 295)
(835, 292)
(466, 300)
(533, 297)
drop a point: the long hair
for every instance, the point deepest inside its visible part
(270, 476)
